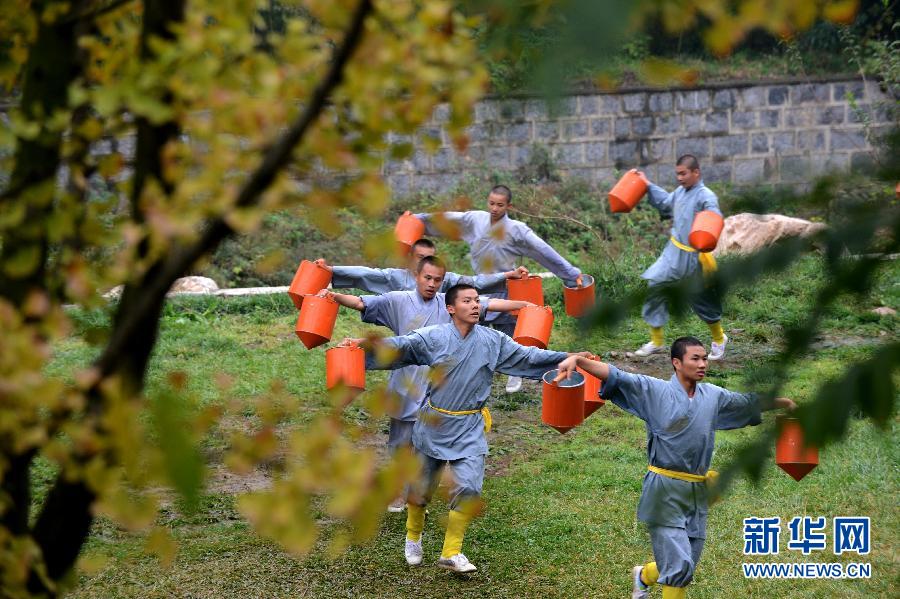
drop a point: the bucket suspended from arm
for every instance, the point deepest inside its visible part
(562, 403)
(315, 323)
(627, 193)
(309, 279)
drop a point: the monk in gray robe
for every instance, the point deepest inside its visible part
(450, 429)
(403, 312)
(497, 242)
(679, 260)
(682, 416)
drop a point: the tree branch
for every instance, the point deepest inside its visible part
(89, 14)
(61, 536)
(276, 158)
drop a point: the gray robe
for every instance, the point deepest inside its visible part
(675, 264)
(403, 312)
(501, 247)
(681, 433)
(468, 364)
(383, 280)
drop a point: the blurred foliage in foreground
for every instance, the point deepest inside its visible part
(230, 123)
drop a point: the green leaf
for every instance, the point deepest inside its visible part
(182, 460)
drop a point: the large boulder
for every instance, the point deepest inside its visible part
(192, 284)
(747, 233)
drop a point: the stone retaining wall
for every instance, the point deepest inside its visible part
(782, 133)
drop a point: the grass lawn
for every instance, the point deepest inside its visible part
(560, 518)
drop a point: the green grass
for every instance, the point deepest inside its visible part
(560, 519)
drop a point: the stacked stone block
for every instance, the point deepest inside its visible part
(784, 133)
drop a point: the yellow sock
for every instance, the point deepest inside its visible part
(457, 522)
(650, 574)
(715, 328)
(415, 521)
(656, 335)
(674, 592)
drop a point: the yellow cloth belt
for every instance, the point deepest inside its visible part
(485, 413)
(707, 260)
(686, 476)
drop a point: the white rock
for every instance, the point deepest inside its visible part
(193, 284)
(114, 293)
(746, 233)
(884, 311)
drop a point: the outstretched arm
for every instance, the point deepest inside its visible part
(489, 283)
(373, 280)
(582, 360)
(348, 301)
(391, 353)
(737, 410)
(540, 251)
(505, 305)
(659, 197)
(782, 403)
(445, 224)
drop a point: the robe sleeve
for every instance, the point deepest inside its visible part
(492, 283)
(634, 393)
(379, 310)
(737, 410)
(460, 219)
(529, 244)
(373, 280)
(661, 199)
(397, 352)
(709, 201)
(529, 362)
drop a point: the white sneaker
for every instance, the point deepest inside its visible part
(397, 505)
(513, 384)
(717, 352)
(413, 552)
(639, 590)
(457, 563)
(648, 349)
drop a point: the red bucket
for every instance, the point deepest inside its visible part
(533, 326)
(791, 453)
(579, 300)
(705, 231)
(346, 366)
(627, 193)
(562, 405)
(408, 230)
(309, 279)
(527, 289)
(592, 386)
(315, 323)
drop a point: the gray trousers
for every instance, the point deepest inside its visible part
(676, 554)
(400, 433)
(468, 479)
(704, 301)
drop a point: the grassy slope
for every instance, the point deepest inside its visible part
(560, 519)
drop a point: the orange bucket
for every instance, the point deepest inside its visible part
(315, 323)
(346, 366)
(533, 326)
(527, 289)
(791, 453)
(705, 231)
(579, 300)
(562, 403)
(309, 279)
(408, 230)
(627, 193)
(592, 385)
